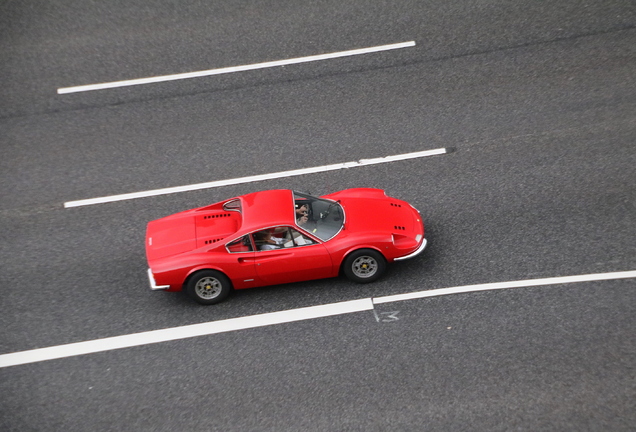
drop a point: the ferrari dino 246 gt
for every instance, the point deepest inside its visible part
(280, 236)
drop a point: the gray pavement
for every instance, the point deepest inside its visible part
(537, 103)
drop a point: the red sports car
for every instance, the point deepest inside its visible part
(280, 236)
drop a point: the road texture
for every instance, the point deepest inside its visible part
(536, 104)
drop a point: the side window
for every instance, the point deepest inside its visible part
(300, 239)
(279, 238)
(272, 238)
(242, 244)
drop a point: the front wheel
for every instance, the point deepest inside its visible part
(208, 287)
(364, 265)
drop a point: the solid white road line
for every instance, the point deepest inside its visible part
(254, 178)
(139, 81)
(176, 333)
(253, 321)
(505, 285)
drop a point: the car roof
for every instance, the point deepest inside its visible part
(267, 208)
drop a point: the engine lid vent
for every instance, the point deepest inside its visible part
(215, 216)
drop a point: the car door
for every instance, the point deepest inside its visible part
(239, 265)
(290, 257)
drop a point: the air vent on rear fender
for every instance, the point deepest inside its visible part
(396, 205)
(401, 228)
(212, 241)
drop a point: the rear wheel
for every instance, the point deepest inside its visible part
(364, 265)
(208, 287)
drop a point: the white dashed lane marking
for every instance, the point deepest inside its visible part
(254, 178)
(232, 69)
(267, 319)
(505, 285)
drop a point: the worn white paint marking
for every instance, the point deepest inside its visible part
(198, 74)
(505, 285)
(176, 333)
(254, 178)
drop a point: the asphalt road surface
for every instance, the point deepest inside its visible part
(535, 103)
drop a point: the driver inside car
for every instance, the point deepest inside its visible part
(265, 241)
(302, 214)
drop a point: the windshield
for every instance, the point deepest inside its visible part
(323, 218)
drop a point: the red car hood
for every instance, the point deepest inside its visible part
(378, 215)
(371, 210)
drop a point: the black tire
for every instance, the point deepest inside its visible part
(208, 287)
(364, 265)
